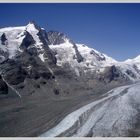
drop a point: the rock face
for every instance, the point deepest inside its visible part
(56, 38)
(13, 72)
(46, 75)
(78, 55)
(31, 56)
(3, 87)
(112, 73)
(27, 41)
(3, 39)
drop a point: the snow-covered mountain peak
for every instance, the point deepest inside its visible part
(137, 58)
(32, 27)
(34, 30)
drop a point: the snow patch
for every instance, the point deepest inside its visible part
(41, 57)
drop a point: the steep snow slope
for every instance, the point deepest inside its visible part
(131, 70)
(134, 61)
(92, 59)
(12, 44)
(115, 114)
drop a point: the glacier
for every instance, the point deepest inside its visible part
(114, 114)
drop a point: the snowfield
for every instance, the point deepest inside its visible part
(115, 114)
(94, 60)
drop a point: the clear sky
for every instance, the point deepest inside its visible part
(113, 29)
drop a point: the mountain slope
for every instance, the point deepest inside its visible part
(91, 59)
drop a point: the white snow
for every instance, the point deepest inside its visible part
(33, 31)
(7, 29)
(39, 44)
(29, 67)
(112, 115)
(65, 53)
(13, 43)
(129, 65)
(41, 57)
(85, 51)
(133, 61)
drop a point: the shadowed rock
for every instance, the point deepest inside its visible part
(3, 87)
(3, 39)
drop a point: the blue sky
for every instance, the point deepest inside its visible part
(113, 29)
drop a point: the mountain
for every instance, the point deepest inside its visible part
(44, 75)
(91, 60)
(58, 47)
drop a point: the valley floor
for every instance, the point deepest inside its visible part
(35, 114)
(115, 113)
